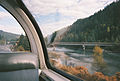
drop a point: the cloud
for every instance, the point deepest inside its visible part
(69, 11)
(75, 8)
(17, 30)
(9, 23)
(49, 28)
(84, 8)
(47, 6)
(4, 14)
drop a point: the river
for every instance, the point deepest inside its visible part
(108, 63)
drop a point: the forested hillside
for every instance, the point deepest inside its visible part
(22, 44)
(8, 36)
(103, 26)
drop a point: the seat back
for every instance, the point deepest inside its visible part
(18, 61)
(20, 75)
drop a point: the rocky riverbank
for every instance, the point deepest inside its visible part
(61, 61)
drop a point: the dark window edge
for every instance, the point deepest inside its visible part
(27, 12)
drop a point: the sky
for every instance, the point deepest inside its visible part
(8, 23)
(52, 15)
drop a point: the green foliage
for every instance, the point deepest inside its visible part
(23, 44)
(108, 29)
(20, 48)
(103, 26)
(1, 37)
(2, 41)
(53, 37)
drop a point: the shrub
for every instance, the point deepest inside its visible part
(82, 72)
(20, 48)
(98, 50)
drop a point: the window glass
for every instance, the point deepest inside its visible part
(12, 36)
(82, 36)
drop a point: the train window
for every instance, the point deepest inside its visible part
(12, 36)
(82, 36)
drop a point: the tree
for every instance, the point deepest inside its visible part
(108, 29)
(1, 37)
(23, 44)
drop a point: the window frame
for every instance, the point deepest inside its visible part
(13, 16)
(49, 66)
(14, 9)
(24, 17)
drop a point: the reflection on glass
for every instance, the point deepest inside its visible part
(89, 47)
(12, 36)
(15, 43)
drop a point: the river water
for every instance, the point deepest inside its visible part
(108, 63)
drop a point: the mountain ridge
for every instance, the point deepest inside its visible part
(103, 26)
(8, 36)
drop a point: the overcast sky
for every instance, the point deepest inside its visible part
(8, 23)
(53, 15)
